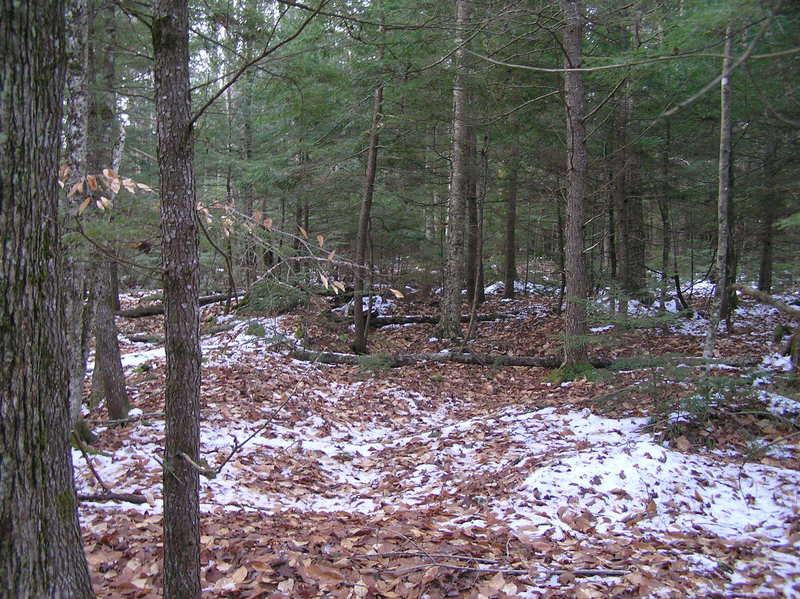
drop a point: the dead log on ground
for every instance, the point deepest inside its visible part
(384, 321)
(463, 358)
(127, 497)
(765, 298)
(155, 309)
(395, 361)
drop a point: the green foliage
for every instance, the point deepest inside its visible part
(584, 371)
(790, 221)
(646, 361)
(269, 297)
(374, 363)
(256, 329)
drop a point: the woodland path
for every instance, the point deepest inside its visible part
(443, 480)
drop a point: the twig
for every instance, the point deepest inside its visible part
(202, 469)
(108, 495)
(511, 571)
(467, 558)
(268, 422)
(82, 447)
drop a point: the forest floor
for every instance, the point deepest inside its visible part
(452, 480)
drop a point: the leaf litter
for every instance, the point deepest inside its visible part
(443, 480)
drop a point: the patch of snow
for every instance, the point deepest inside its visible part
(777, 361)
(380, 305)
(780, 405)
(602, 329)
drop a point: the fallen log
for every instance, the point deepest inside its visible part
(765, 298)
(384, 321)
(398, 360)
(463, 358)
(127, 497)
(155, 309)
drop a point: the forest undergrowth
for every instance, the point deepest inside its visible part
(652, 478)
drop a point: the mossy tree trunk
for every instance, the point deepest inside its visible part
(41, 553)
(577, 163)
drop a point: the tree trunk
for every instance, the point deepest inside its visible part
(180, 261)
(102, 131)
(41, 552)
(619, 200)
(635, 272)
(108, 363)
(78, 275)
(723, 200)
(664, 200)
(770, 204)
(577, 160)
(510, 264)
(472, 232)
(359, 345)
(765, 261)
(449, 327)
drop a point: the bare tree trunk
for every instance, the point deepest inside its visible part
(770, 203)
(108, 364)
(77, 272)
(449, 327)
(510, 264)
(359, 345)
(473, 239)
(577, 161)
(723, 200)
(102, 131)
(664, 200)
(41, 552)
(180, 262)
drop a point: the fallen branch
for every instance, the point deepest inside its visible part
(142, 416)
(155, 309)
(108, 495)
(512, 571)
(463, 358)
(765, 298)
(383, 321)
(128, 497)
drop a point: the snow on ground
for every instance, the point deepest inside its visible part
(550, 476)
(380, 305)
(519, 287)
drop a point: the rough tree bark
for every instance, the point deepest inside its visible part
(180, 261)
(723, 200)
(41, 553)
(577, 161)
(449, 326)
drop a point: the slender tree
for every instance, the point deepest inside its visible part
(510, 246)
(41, 554)
(109, 374)
(362, 237)
(723, 199)
(79, 302)
(450, 315)
(577, 162)
(179, 247)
